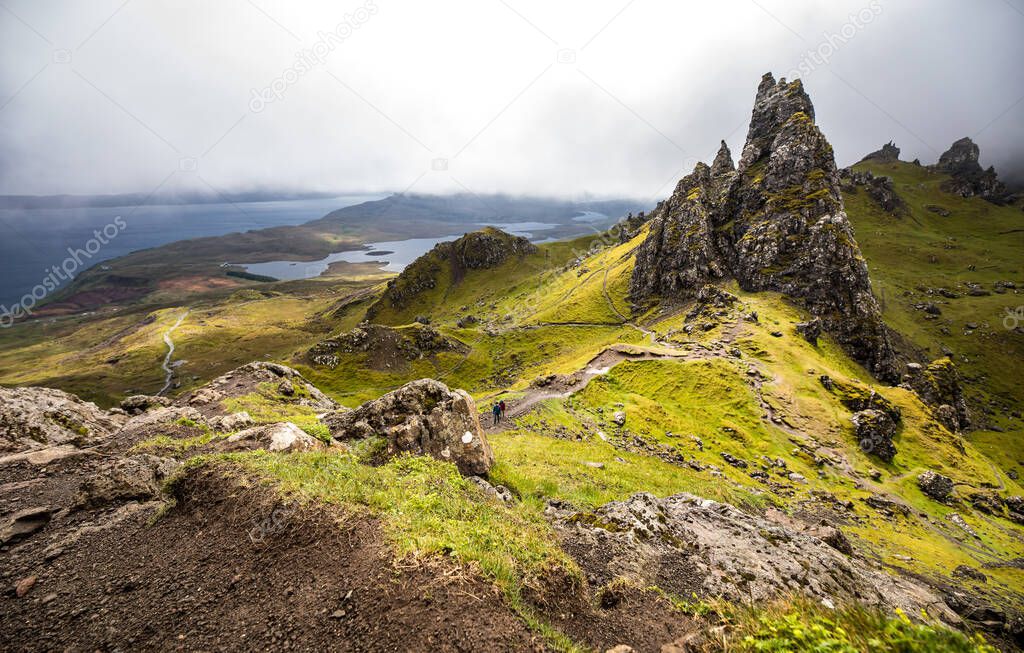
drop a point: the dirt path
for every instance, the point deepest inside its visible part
(166, 365)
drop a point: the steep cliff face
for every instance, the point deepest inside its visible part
(775, 223)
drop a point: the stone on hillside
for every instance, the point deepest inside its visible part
(138, 404)
(499, 492)
(232, 422)
(1015, 505)
(619, 418)
(775, 223)
(385, 345)
(875, 430)
(421, 417)
(24, 523)
(857, 397)
(835, 538)
(935, 485)
(689, 546)
(283, 437)
(286, 388)
(35, 418)
(135, 478)
(810, 330)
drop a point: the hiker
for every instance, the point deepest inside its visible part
(496, 411)
(501, 404)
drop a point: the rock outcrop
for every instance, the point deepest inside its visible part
(879, 189)
(691, 546)
(775, 223)
(250, 378)
(385, 347)
(35, 418)
(967, 177)
(888, 154)
(874, 430)
(935, 485)
(421, 417)
(938, 385)
(283, 436)
(487, 248)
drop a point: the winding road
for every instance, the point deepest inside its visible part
(166, 366)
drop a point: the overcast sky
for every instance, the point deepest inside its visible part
(594, 97)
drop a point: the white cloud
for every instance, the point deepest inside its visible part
(653, 86)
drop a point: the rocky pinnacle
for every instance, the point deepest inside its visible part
(777, 222)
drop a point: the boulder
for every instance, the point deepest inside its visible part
(282, 437)
(232, 422)
(24, 523)
(935, 485)
(138, 404)
(619, 417)
(874, 430)
(421, 417)
(134, 478)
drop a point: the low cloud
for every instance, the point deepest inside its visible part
(571, 99)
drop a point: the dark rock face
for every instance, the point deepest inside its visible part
(722, 164)
(879, 189)
(775, 223)
(630, 226)
(487, 248)
(969, 179)
(938, 384)
(421, 417)
(810, 330)
(888, 154)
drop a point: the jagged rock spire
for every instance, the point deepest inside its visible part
(779, 224)
(723, 162)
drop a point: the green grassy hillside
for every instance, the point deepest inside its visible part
(725, 402)
(913, 258)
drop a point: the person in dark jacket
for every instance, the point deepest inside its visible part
(501, 405)
(496, 411)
